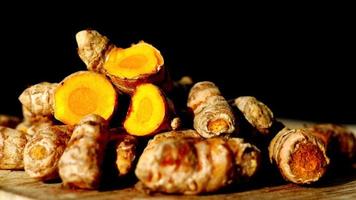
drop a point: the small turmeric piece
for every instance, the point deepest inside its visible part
(184, 162)
(12, 144)
(127, 68)
(126, 153)
(212, 114)
(256, 113)
(9, 121)
(299, 155)
(83, 93)
(37, 101)
(340, 141)
(148, 112)
(80, 164)
(43, 150)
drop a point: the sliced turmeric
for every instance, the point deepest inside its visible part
(84, 93)
(127, 68)
(148, 112)
(212, 114)
(299, 155)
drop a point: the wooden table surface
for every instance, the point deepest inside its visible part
(338, 184)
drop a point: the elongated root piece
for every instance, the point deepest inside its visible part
(148, 112)
(256, 113)
(299, 155)
(126, 153)
(12, 144)
(212, 113)
(37, 101)
(127, 68)
(183, 162)
(340, 142)
(9, 121)
(247, 158)
(43, 150)
(80, 164)
(83, 93)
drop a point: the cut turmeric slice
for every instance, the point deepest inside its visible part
(84, 93)
(147, 112)
(126, 67)
(139, 59)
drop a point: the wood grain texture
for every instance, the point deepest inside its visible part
(340, 184)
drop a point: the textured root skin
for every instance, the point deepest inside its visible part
(93, 49)
(31, 118)
(12, 144)
(38, 100)
(126, 153)
(256, 113)
(80, 164)
(9, 121)
(340, 142)
(184, 162)
(43, 150)
(32, 128)
(212, 114)
(247, 158)
(299, 155)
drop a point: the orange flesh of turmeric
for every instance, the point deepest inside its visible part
(307, 161)
(218, 125)
(139, 59)
(84, 93)
(147, 111)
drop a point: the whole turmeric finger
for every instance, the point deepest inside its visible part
(299, 155)
(37, 100)
(80, 164)
(43, 150)
(256, 113)
(12, 144)
(212, 114)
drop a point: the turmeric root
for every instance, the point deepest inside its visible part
(32, 128)
(212, 113)
(299, 155)
(256, 113)
(43, 150)
(127, 68)
(183, 162)
(12, 144)
(148, 112)
(9, 121)
(340, 142)
(37, 101)
(84, 93)
(80, 164)
(126, 153)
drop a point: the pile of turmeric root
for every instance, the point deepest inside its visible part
(176, 136)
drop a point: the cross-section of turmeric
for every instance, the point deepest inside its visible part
(148, 112)
(212, 114)
(127, 68)
(84, 93)
(299, 155)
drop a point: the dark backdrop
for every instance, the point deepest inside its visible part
(298, 64)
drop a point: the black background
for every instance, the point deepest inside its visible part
(298, 62)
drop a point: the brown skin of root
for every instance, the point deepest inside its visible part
(307, 161)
